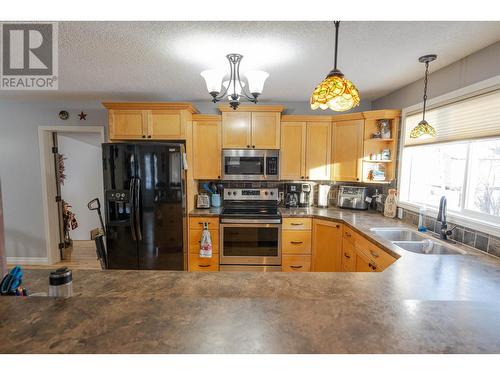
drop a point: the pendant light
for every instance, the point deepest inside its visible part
(335, 92)
(423, 129)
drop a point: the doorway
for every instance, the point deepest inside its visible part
(71, 164)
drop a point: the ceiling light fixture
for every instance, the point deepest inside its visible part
(234, 88)
(335, 92)
(423, 129)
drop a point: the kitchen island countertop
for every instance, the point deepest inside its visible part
(420, 304)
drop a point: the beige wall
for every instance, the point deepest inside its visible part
(477, 67)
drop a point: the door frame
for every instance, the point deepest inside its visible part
(48, 175)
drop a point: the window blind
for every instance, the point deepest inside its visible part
(476, 117)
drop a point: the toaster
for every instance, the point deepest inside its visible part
(203, 201)
(352, 197)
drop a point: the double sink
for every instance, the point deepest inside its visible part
(413, 241)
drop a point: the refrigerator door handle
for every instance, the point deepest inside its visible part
(132, 209)
(136, 208)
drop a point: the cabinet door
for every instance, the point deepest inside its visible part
(127, 124)
(318, 150)
(362, 263)
(326, 246)
(347, 150)
(207, 150)
(348, 256)
(293, 150)
(166, 125)
(265, 130)
(236, 129)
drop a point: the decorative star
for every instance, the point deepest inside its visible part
(82, 115)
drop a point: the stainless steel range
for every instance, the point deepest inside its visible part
(250, 230)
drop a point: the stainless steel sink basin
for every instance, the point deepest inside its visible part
(397, 234)
(427, 247)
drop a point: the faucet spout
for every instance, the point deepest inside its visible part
(442, 211)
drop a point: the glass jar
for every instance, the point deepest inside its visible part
(61, 283)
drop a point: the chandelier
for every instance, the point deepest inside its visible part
(234, 88)
(423, 129)
(335, 92)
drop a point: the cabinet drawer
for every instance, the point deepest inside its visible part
(349, 235)
(374, 254)
(195, 239)
(296, 242)
(296, 223)
(296, 263)
(348, 257)
(197, 222)
(197, 264)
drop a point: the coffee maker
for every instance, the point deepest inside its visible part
(297, 195)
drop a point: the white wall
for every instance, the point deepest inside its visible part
(474, 68)
(83, 170)
(20, 165)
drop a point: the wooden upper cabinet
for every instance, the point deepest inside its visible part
(347, 150)
(207, 148)
(149, 120)
(318, 150)
(265, 130)
(293, 150)
(128, 124)
(236, 129)
(165, 124)
(326, 246)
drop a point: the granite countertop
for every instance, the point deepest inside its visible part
(420, 304)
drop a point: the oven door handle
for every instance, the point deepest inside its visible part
(250, 221)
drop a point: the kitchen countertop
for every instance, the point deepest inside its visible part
(420, 304)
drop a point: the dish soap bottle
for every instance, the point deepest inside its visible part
(390, 206)
(421, 220)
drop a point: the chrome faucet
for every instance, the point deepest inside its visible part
(444, 232)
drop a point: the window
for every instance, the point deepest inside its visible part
(466, 172)
(461, 163)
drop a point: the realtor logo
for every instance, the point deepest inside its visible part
(29, 56)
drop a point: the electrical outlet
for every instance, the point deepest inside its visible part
(281, 196)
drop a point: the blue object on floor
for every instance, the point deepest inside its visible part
(11, 281)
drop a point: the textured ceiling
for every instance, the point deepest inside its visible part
(162, 60)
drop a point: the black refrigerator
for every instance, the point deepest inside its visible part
(144, 192)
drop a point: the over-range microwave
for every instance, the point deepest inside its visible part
(250, 164)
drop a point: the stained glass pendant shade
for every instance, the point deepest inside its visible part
(424, 129)
(335, 92)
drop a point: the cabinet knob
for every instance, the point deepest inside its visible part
(302, 177)
(347, 256)
(307, 177)
(218, 177)
(337, 226)
(357, 179)
(143, 136)
(248, 146)
(149, 136)
(253, 146)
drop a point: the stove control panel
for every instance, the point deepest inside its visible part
(251, 194)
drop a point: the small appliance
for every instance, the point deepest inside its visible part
(250, 165)
(202, 201)
(323, 191)
(353, 197)
(304, 195)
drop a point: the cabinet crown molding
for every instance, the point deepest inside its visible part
(202, 117)
(252, 108)
(173, 106)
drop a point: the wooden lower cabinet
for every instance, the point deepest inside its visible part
(348, 257)
(296, 241)
(195, 262)
(198, 264)
(326, 246)
(363, 264)
(296, 263)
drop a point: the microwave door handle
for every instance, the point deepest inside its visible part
(265, 167)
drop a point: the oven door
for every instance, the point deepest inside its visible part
(250, 243)
(243, 164)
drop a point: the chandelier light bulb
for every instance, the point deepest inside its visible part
(213, 79)
(256, 80)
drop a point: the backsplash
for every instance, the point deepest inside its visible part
(481, 241)
(332, 196)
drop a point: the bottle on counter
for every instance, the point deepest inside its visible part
(390, 206)
(421, 220)
(61, 283)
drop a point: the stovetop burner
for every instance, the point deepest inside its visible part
(251, 204)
